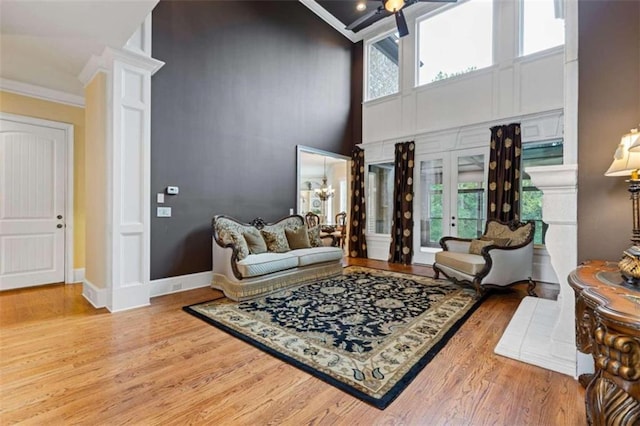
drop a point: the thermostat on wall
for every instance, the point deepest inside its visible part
(172, 190)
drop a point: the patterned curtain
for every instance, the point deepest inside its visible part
(504, 173)
(358, 217)
(401, 249)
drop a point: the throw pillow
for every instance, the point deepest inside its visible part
(297, 238)
(255, 242)
(276, 240)
(500, 242)
(314, 236)
(235, 238)
(476, 246)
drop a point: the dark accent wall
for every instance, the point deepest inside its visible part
(609, 105)
(244, 83)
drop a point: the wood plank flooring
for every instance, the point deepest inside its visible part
(64, 362)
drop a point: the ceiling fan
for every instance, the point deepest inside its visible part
(393, 7)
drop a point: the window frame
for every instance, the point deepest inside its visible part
(529, 188)
(368, 199)
(367, 46)
(438, 11)
(520, 34)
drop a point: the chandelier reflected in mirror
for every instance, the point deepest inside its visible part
(325, 191)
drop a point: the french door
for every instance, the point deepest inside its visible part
(450, 199)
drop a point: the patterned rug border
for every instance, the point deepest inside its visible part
(380, 403)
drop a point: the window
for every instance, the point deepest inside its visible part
(537, 154)
(380, 198)
(542, 25)
(456, 41)
(383, 72)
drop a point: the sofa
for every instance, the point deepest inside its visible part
(253, 259)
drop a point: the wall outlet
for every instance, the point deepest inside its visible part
(176, 287)
(164, 212)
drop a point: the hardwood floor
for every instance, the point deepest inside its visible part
(64, 362)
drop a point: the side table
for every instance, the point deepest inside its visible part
(608, 328)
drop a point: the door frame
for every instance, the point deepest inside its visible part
(68, 129)
(449, 193)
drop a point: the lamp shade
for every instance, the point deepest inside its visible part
(634, 144)
(625, 161)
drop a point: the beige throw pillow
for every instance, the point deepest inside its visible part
(476, 246)
(500, 242)
(255, 242)
(276, 240)
(298, 238)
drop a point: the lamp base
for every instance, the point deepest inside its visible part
(630, 266)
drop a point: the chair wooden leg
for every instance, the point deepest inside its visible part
(479, 290)
(531, 288)
(437, 273)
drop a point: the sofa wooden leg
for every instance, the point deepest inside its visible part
(437, 273)
(531, 288)
(479, 290)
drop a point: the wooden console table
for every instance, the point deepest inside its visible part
(608, 328)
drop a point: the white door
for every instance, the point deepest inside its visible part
(450, 199)
(32, 204)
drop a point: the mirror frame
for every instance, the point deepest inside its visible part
(310, 150)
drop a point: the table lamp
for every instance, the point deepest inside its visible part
(626, 162)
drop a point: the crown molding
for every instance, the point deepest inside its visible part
(331, 20)
(39, 92)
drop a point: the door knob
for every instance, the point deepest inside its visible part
(59, 216)
(59, 225)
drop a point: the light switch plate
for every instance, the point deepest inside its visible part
(164, 212)
(160, 198)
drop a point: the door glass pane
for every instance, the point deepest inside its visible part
(471, 200)
(431, 209)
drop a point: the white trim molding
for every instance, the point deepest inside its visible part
(170, 285)
(331, 20)
(78, 275)
(94, 295)
(39, 92)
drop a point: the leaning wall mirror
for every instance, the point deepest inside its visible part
(322, 183)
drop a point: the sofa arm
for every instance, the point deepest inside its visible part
(507, 264)
(457, 245)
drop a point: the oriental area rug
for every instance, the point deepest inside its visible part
(367, 332)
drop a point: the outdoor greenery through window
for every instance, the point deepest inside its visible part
(542, 25)
(537, 154)
(456, 41)
(380, 198)
(383, 73)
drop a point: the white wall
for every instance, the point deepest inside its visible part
(457, 113)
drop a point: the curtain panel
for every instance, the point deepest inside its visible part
(401, 250)
(358, 225)
(504, 173)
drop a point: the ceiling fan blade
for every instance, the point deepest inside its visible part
(364, 18)
(401, 22)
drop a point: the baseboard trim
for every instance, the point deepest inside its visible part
(78, 275)
(180, 283)
(96, 296)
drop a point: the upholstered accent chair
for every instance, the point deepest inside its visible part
(503, 256)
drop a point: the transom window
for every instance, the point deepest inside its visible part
(455, 41)
(542, 25)
(383, 73)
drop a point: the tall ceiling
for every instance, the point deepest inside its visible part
(47, 43)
